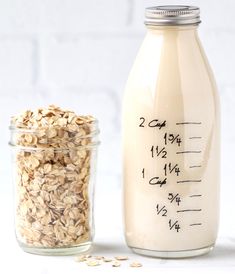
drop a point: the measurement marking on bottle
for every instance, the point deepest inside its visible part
(189, 181)
(143, 173)
(189, 210)
(188, 151)
(158, 152)
(188, 123)
(195, 224)
(174, 198)
(195, 137)
(169, 168)
(174, 225)
(170, 138)
(195, 166)
(195, 195)
(157, 181)
(161, 210)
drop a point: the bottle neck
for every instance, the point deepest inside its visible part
(178, 36)
(186, 30)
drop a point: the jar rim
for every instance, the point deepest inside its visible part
(94, 132)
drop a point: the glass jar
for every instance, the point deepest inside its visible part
(54, 176)
(171, 140)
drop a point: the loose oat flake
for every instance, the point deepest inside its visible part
(98, 257)
(121, 258)
(93, 263)
(116, 264)
(107, 260)
(136, 264)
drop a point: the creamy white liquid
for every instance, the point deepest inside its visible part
(171, 82)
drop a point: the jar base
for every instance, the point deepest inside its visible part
(57, 251)
(172, 254)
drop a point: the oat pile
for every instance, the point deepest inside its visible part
(90, 260)
(53, 164)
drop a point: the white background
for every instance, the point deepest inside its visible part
(78, 54)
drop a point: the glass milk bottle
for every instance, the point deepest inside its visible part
(171, 140)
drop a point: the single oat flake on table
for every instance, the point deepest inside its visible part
(54, 153)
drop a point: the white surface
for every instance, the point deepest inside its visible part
(221, 260)
(77, 54)
(109, 242)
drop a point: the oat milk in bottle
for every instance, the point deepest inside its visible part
(171, 140)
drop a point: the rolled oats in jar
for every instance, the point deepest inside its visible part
(54, 172)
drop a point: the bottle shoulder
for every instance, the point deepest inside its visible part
(171, 71)
(178, 57)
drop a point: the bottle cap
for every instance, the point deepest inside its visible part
(172, 15)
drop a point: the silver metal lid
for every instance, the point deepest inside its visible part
(172, 15)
